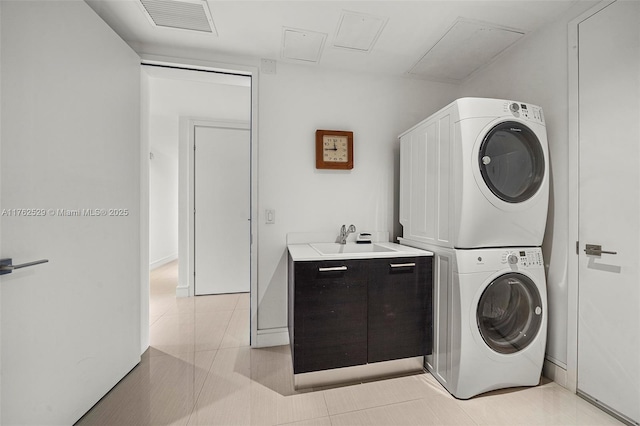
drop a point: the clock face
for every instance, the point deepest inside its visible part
(335, 149)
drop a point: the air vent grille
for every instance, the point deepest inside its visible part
(180, 14)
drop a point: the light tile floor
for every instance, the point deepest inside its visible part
(200, 370)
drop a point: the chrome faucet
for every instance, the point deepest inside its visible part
(344, 233)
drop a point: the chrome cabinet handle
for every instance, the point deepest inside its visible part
(6, 265)
(596, 250)
(333, 269)
(402, 265)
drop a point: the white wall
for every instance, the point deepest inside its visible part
(535, 71)
(295, 102)
(172, 94)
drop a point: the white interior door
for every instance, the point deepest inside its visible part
(70, 192)
(609, 197)
(222, 209)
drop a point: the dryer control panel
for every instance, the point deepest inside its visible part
(524, 111)
(524, 258)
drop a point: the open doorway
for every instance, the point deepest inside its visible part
(176, 97)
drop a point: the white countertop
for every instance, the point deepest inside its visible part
(306, 252)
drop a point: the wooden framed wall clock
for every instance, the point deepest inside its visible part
(334, 149)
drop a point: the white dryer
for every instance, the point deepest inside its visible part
(489, 316)
(476, 174)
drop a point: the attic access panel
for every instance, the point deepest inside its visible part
(464, 48)
(302, 45)
(358, 31)
(193, 15)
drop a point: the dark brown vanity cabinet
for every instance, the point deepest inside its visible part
(353, 312)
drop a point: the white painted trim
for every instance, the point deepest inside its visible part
(255, 226)
(556, 373)
(182, 291)
(573, 167)
(161, 262)
(145, 285)
(184, 287)
(199, 65)
(270, 337)
(254, 73)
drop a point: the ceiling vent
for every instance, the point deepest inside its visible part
(466, 47)
(302, 45)
(358, 31)
(192, 15)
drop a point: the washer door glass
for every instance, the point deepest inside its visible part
(512, 162)
(509, 313)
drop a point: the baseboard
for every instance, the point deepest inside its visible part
(271, 337)
(359, 373)
(556, 373)
(161, 262)
(182, 291)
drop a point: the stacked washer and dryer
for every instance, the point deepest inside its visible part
(474, 187)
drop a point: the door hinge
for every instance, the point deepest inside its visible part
(578, 247)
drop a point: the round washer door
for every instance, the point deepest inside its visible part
(511, 162)
(509, 313)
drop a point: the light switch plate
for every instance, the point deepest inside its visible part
(270, 216)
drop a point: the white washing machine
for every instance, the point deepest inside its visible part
(476, 174)
(490, 318)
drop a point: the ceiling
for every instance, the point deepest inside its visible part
(434, 40)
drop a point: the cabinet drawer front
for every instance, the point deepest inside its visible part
(330, 317)
(401, 284)
(309, 273)
(399, 307)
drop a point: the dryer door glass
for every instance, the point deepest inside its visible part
(511, 162)
(509, 313)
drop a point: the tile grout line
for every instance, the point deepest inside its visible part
(377, 406)
(197, 399)
(217, 350)
(324, 396)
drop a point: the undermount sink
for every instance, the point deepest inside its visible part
(328, 249)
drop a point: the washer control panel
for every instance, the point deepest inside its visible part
(524, 258)
(525, 111)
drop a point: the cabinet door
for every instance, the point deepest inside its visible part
(399, 303)
(330, 315)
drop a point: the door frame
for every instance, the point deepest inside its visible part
(574, 186)
(185, 286)
(187, 143)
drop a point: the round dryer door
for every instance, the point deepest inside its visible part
(512, 162)
(509, 313)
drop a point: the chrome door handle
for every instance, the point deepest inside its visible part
(7, 267)
(596, 250)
